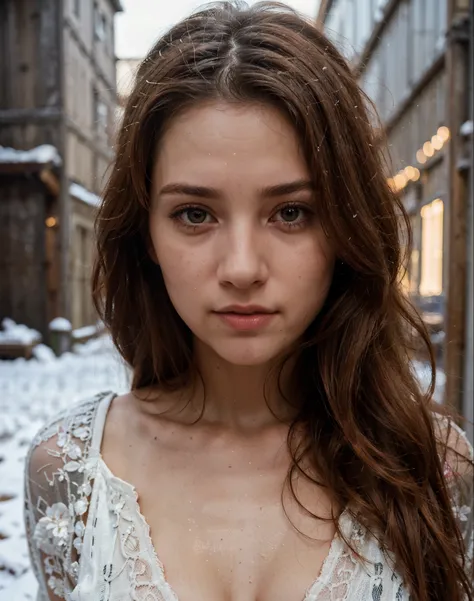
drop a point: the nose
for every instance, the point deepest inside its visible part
(243, 262)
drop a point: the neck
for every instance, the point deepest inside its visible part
(238, 396)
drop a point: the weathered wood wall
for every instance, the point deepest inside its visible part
(29, 72)
(23, 281)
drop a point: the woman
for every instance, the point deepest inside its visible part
(275, 444)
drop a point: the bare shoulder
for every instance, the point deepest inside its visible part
(131, 419)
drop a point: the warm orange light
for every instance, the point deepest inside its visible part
(51, 221)
(431, 283)
(409, 172)
(437, 142)
(443, 133)
(428, 149)
(400, 180)
(420, 157)
(416, 175)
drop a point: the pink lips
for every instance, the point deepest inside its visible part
(246, 318)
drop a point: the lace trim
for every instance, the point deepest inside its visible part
(59, 532)
(143, 582)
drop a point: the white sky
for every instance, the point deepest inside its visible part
(143, 21)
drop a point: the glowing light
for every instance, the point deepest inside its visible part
(428, 149)
(437, 142)
(420, 156)
(51, 221)
(409, 171)
(416, 175)
(400, 180)
(443, 133)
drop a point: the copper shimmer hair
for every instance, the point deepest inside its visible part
(368, 428)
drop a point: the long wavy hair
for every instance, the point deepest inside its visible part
(369, 428)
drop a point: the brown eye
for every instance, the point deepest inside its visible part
(290, 214)
(195, 216)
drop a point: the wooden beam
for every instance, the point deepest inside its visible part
(322, 12)
(457, 61)
(50, 180)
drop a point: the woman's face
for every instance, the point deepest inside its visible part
(234, 227)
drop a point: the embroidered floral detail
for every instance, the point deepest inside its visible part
(57, 586)
(59, 528)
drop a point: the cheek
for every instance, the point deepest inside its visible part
(313, 266)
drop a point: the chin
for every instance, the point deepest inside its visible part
(246, 353)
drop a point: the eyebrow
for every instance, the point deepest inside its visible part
(213, 193)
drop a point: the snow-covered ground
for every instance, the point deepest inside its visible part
(31, 391)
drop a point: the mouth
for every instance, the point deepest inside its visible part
(246, 318)
(246, 310)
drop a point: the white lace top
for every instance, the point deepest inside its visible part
(109, 556)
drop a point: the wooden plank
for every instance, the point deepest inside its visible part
(455, 320)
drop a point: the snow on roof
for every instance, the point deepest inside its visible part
(83, 194)
(41, 154)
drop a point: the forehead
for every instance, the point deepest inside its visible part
(219, 139)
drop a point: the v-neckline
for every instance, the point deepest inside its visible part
(336, 548)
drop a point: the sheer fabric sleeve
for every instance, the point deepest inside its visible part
(58, 477)
(458, 457)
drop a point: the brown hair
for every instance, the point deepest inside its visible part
(369, 430)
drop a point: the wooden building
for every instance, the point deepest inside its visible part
(57, 88)
(412, 59)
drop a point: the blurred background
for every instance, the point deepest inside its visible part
(66, 70)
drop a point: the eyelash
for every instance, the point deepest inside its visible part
(178, 214)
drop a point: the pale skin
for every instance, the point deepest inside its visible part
(228, 182)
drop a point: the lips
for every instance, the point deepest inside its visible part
(246, 318)
(246, 310)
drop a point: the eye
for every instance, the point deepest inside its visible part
(195, 215)
(292, 215)
(192, 216)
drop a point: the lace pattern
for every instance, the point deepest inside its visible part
(58, 480)
(73, 502)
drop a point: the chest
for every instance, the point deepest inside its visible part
(222, 528)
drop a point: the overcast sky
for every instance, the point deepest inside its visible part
(143, 21)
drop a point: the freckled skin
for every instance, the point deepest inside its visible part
(211, 488)
(242, 258)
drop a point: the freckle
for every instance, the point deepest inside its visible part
(156, 437)
(230, 466)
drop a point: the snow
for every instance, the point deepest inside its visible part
(14, 333)
(41, 154)
(85, 332)
(60, 324)
(467, 128)
(83, 194)
(30, 392)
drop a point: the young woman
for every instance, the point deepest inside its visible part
(275, 445)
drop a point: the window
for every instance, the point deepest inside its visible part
(101, 113)
(77, 8)
(431, 283)
(100, 25)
